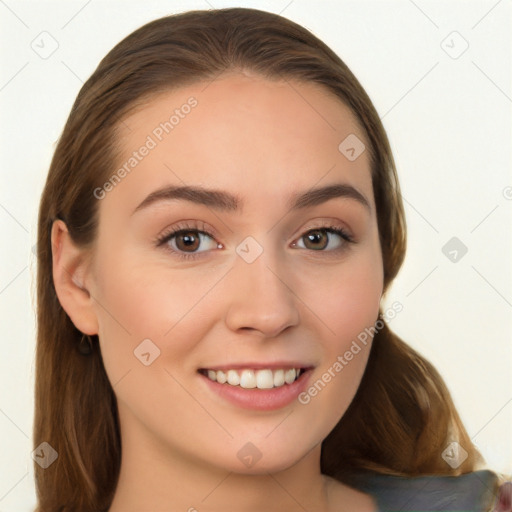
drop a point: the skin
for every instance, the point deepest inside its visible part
(263, 141)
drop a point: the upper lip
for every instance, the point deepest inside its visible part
(259, 366)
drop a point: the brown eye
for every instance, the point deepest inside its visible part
(320, 238)
(187, 240)
(317, 239)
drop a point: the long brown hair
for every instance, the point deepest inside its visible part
(402, 416)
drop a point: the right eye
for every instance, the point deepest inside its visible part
(185, 241)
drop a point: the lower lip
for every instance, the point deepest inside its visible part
(260, 399)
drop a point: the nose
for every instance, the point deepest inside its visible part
(260, 297)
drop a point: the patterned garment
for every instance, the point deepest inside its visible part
(471, 492)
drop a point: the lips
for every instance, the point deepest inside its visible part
(261, 396)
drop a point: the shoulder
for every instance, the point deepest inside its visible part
(343, 497)
(471, 492)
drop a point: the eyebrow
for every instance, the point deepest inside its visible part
(225, 201)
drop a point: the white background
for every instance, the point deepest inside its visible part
(449, 124)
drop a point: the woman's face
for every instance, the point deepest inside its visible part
(252, 283)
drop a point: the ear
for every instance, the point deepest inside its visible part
(69, 271)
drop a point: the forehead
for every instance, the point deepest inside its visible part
(246, 134)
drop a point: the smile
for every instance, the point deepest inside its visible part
(265, 378)
(257, 388)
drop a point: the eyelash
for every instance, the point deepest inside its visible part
(167, 236)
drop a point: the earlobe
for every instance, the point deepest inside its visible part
(69, 264)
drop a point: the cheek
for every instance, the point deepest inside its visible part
(346, 298)
(347, 305)
(137, 302)
(350, 307)
(151, 320)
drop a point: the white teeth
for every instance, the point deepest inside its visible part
(233, 378)
(247, 379)
(264, 379)
(250, 379)
(278, 378)
(289, 376)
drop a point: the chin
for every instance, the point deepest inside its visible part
(252, 461)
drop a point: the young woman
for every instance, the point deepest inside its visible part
(220, 222)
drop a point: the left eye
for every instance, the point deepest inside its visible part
(318, 239)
